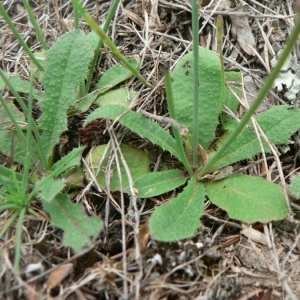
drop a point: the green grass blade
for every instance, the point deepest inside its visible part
(19, 241)
(76, 19)
(35, 24)
(220, 35)
(13, 120)
(108, 20)
(29, 140)
(195, 25)
(13, 90)
(19, 38)
(6, 172)
(108, 42)
(36, 145)
(10, 220)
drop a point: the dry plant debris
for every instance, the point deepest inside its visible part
(223, 261)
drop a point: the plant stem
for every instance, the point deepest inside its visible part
(19, 240)
(9, 222)
(262, 94)
(172, 113)
(195, 25)
(76, 19)
(25, 110)
(25, 181)
(110, 15)
(8, 173)
(220, 35)
(35, 24)
(108, 42)
(19, 38)
(13, 120)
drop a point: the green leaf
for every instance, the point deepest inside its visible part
(85, 103)
(93, 40)
(278, 123)
(179, 218)
(66, 67)
(120, 96)
(5, 120)
(11, 144)
(21, 86)
(210, 93)
(74, 178)
(71, 159)
(71, 218)
(50, 188)
(157, 183)
(248, 199)
(139, 124)
(295, 186)
(137, 160)
(116, 75)
(41, 57)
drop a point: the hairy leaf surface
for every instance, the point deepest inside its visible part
(179, 218)
(66, 67)
(248, 199)
(278, 123)
(210, 88)
(157, 183)
(295, 186)
(116, 75)
(71, 218)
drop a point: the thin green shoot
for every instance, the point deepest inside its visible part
(29, 140)
(220, 35)
(260, 97)
(108, 20)
(35, 24)
(76, 19)
(8, 172)
(14, 91)
(108, 42)
(195, 25)
(15, 123)
(18, 190)
(9, 221)
(23, 106)
(19, 240)
(172, 113)
(19, 38)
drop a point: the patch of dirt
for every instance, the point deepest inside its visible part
(220, 261)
